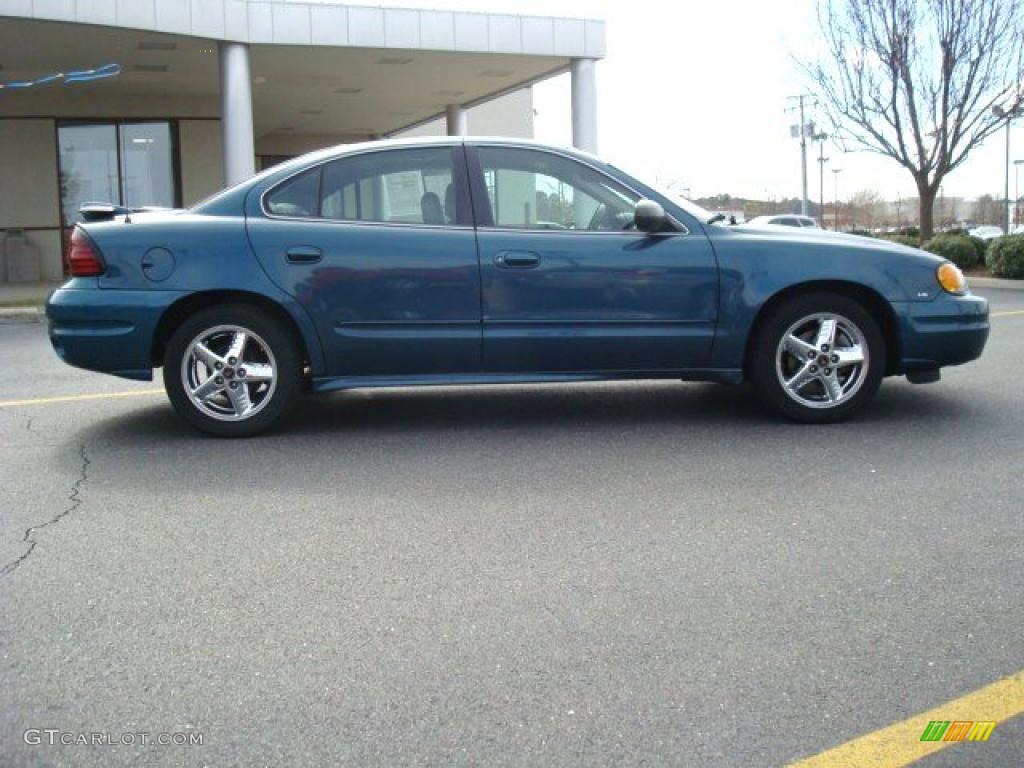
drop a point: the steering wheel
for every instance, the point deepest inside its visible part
(605, 220)
(598, 218)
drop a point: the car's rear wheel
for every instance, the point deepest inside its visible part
(818, 358)
(231, 370)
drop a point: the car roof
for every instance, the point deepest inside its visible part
(444, 141)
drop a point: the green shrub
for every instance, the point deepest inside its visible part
(902, 240)
(914, 232)
(1005, 257)
(957, 248)
(981, 247)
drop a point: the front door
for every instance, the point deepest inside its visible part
(380, 250)
(568, 284)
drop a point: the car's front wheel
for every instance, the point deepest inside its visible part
(818, 358)
(231, 370)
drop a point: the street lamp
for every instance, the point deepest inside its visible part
(820, 138)
(1016, 191)
(1009, 115)
(835, 207)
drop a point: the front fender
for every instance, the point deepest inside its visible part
(755, 267)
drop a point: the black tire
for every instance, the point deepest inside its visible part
(286, 363)
(762, 363)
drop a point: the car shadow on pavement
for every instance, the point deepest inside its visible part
(691, 408)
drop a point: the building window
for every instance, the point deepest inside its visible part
(130, 163)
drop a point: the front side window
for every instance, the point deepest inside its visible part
(528, 189)
(406, 186)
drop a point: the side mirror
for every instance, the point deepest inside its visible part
(650, 217)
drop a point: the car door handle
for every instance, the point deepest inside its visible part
(517, 259)
(303, 254)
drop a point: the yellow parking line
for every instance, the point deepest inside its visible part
(900, 744)
(1007, 312)
(77, 398)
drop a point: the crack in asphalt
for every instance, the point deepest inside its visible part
(74, 502)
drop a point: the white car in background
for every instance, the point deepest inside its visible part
(986, 233)
(787, 220)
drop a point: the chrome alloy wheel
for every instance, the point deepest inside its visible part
(822, 360)
(229, 373)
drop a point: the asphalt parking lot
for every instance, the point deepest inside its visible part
(606, 574)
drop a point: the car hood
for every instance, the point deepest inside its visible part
(832, 240)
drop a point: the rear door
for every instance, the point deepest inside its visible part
(568, 284)
(379, 248)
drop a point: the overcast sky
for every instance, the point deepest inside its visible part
(695, 93)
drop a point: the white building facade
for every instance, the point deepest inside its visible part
(163, 102)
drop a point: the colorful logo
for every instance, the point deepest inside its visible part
(958, 730)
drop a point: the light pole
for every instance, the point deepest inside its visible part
(820, 138)
(803, 132)
(1016, 191)
(835, 207)
(1008, 114)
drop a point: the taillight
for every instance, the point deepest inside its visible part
(83, 258)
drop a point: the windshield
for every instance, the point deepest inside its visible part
(695, 210)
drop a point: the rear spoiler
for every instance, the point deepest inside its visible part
(108, 211)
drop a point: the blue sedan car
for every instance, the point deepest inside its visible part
(468, 261)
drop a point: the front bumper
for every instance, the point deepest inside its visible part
(949, 330)
(109, 331)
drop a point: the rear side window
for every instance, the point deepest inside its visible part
(407, 186)
(299, 196)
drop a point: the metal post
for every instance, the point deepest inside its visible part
(236, 113)
(1016, 191)
(584, 105)
(835, 208)
(456, 119)
(820, 138)
(803, 160)
(1006, 210)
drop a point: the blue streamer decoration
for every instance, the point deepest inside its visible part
(68, 78)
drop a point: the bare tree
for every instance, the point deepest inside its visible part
(864, 208)
(919, 80)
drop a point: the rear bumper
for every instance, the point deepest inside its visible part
(947, 331)
(106, 330)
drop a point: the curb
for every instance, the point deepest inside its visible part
(12, 315)
(995, 282)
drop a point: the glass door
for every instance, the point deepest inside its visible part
(127, 163)
(147, 166)
(89, 167)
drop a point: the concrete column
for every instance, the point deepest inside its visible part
(584, 105)
(236, 113)
(456, 120)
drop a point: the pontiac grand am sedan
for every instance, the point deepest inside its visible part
(469, 261)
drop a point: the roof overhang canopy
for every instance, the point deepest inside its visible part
(316, 68)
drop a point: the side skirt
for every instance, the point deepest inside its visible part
(332, 383)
